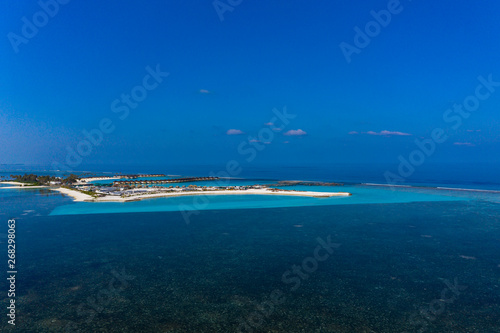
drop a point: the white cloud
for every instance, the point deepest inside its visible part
(388, 133)
(297, 132)
(234, 132)
(468, 144)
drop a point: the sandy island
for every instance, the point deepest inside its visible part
(79, 196)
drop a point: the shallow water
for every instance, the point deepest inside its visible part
(212, 274)
(360, 195)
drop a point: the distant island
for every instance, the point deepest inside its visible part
(131, 188)
(303, 183)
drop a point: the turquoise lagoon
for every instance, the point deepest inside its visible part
(360, 195)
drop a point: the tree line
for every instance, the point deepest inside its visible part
(43, 180)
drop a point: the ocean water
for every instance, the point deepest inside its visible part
(412, 259)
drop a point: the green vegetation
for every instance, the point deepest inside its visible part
(35, 180)
(92, 194)
(70, 179)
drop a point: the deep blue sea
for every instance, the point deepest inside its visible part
(386, 259)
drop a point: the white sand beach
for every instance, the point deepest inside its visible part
(20, 185)
(91, 179)
(12, 183)
(264, 191)
(76, 195)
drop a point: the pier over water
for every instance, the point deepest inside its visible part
(163, 181)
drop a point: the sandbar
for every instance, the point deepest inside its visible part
(20, 185)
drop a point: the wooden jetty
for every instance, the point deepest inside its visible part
(162, 181)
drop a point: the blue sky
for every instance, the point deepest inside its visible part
(226, 77)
